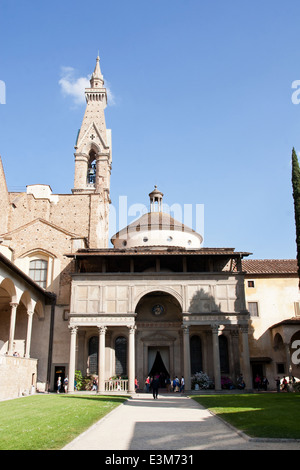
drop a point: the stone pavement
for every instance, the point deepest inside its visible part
(172, 422)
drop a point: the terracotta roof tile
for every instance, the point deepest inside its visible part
(269, 266)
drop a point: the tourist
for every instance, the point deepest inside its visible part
(155, 384)
(257, 382)
(240, 382)
(168, 383)
(284, 385)
(147, 383)
(66, 384)
(265, 383)
(136, 384)
(277, 381)
(182, 385)
(176, 384)
(94, 387)
(58, 384)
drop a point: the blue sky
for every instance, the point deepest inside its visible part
(201, 105)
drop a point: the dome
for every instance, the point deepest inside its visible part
(156, 230)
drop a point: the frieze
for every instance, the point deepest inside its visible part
(225, 318)
(100, 320)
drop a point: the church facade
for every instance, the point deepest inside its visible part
(156, 302)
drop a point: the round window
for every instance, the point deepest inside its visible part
(145, 239)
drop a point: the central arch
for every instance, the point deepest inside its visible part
(158, 322)
(163, 290)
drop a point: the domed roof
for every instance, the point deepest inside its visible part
(156, 229)
(154, 221)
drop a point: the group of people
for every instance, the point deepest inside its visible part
(64, 384)
(261, 383)
(283, 385)
(155, 382)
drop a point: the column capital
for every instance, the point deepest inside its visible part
(102, 329)
(215, 328)
(132, 329)
(13, 304)
(244, 328)
(73, 329)
(185, 329)
(234, 333)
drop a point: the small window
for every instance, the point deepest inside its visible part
(280, 368)
(253, 309)
(251, 284)
(38, 271)
(145, 239)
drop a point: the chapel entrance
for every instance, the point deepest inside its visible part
(158, 363)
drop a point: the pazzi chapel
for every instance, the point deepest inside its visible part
(155, 301)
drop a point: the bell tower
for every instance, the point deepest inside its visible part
(93, 158)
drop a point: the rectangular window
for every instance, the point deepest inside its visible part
(38, 271)
(251, 284)
(280, 368)
(253, 309)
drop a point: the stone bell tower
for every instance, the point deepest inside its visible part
(93, 159)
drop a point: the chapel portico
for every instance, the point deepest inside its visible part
(191, 318)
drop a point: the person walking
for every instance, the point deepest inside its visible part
(155, 385)
(182, 383)
(58, 384)
(147, 383)
(257, 382)
(66, 381)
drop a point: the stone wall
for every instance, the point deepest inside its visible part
(22, 375)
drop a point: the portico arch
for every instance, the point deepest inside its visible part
(154, 291)
(158, 321)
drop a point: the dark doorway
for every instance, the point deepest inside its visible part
(60, 371)
(158, 367)
(257, 369)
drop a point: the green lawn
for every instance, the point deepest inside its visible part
(48, 422)
(272, 415)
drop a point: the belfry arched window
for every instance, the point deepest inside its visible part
(121, 356)
(91, 172)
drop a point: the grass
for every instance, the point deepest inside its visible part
(49, 422)
(268, 415)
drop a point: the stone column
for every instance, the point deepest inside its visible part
(216, 356)
(131, 358)
(246, 369)
(101, 359)
(29, 330)
(12, 328)
(81, 166)
(186, 357)
(73, 330)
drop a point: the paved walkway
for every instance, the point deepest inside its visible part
(172, 422)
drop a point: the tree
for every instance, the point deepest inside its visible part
(296, 196)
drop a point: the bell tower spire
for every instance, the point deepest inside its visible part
(97, 77)
(93, 149)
